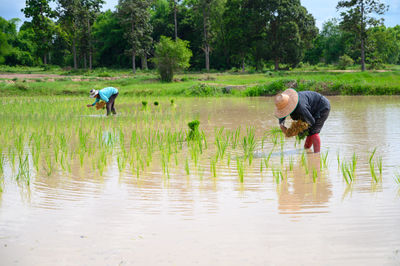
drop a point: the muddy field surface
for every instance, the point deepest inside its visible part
(85, 189)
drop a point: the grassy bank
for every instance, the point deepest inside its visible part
(213, 84)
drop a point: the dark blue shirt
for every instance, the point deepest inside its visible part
(309, 107)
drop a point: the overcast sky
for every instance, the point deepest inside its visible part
(322, 10)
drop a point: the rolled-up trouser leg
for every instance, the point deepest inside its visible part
(110, 104)
(308, 143)
(108, 107)
(113, 102)
(316, 142)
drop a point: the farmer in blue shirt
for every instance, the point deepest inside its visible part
(108, 95)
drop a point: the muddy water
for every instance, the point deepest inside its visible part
(119, 219)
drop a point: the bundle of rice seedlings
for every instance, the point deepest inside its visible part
(100, 105)
(298, 127)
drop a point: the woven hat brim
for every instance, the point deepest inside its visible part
(94, 94)
(292, 104)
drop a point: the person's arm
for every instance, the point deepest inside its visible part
(308, 117)
(93, 104)
(282, 125)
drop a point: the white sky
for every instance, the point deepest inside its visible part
(322, 10)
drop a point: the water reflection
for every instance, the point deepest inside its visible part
(300, 194)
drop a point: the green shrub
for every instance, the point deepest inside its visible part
(203, 90)
(171, 56)
(345, 61)
(267, 89)
(376, 64)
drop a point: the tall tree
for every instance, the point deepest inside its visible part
(357, 17)
(237, 16)
(88, 13)
(134, 17)
(290, 30)
(40, 12)
(109, 45)
(68, 12)
(175, 20)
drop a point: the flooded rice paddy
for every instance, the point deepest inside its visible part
(84, 189)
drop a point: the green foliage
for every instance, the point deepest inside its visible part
(134, 16)
(203, 90)
(345, 61)
(171, 56)
(267, 89)
(357, 17)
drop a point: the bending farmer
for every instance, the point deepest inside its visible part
(308, 106)
(108, 95)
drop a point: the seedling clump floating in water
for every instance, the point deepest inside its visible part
(194, 133)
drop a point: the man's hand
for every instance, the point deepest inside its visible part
(89, 105)
(283, 128)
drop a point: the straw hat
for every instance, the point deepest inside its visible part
(93, 93)
(285, 103)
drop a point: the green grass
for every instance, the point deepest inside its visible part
(199, 84)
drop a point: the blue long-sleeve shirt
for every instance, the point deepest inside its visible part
(105, 94)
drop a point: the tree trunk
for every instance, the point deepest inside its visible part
(362, 38)
(206, 45)
(144, 61)
(175, 22)
(243, 64)
(362, 55)
(45, 59)
(133, 61)
(74, 53)
(90, 45)
(84, 61)
(276, 63)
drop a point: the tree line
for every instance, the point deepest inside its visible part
(221, 34)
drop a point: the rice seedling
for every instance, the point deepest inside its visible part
(354, 160)
(221, 142)
(314, 174)
(235, 138)
(240, 170)
(213, 167)
(194, 133)
(266, 160)
(324, 157)
(397, 178)
(49, 168)
(347, 172)
(100, 105)
(23, 169)
(372, 170)
(249, 144)
(291, 162)
(372, 156)
(277, 175)
(1, 162)
(297, 128)
(380, 167)
(187, 168)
